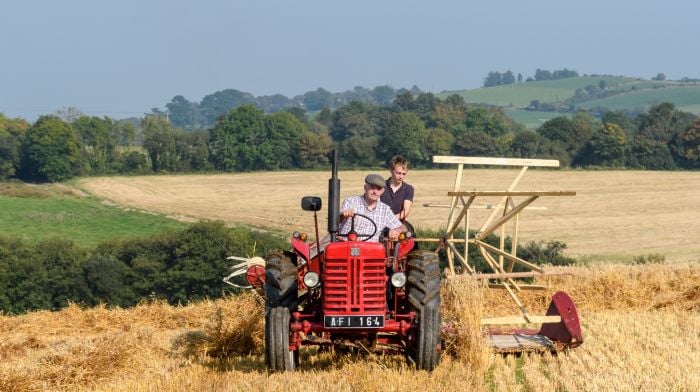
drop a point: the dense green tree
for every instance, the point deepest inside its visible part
(424, 106)
(438, 142)
(449, 113)
(360, 151)
(99, 138)
(284, 132)
(183, 113)
(218, 104)
(689, 142)
(238, 141)
(274, 103)
(493, 122)
(325, 117)
(383, 95)
(313, 149)
(619, 118)
(606, 147)
(11, 134)
(192, 149)
(475, 143)
(353, 120)
(299, 113)
(647, 153)
(106, 278)
(403, 101)
(528, 144)
(134, 162)
(560, 130)
(50, 151)
(317, 100)
(662, 122)
(404, 134)
(159, 138)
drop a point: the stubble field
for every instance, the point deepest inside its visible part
(641, 323)
(614, 216)
(641, 329)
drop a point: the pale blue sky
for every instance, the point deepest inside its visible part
(123, 57)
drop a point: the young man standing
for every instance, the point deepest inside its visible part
(398, 194)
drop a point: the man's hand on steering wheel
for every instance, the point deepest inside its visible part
(351, 214)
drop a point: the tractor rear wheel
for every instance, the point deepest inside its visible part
(281, 299)
(424, 298)
(278, 356)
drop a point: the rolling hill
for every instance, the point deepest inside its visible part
(560, 97)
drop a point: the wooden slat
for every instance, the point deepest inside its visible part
(531, 274)
(511, 193)
(479, 207)
(533, 267)
(520, 320)
(496, 161)
(520, 286)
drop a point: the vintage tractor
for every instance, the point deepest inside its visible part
(350, 293)
(347, 293)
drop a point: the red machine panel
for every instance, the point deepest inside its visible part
(354, 278)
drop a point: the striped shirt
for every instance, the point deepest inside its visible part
(381, 215)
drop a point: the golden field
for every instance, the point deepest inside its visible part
(641, 327)
(615, 215)
(641, 323)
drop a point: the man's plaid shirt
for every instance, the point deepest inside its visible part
(381, 215)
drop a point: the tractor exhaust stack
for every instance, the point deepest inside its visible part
(333, 197)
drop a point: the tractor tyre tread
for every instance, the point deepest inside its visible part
(280, 282)
(424, 297)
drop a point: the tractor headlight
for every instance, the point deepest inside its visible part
(398, 279)
(311, 279)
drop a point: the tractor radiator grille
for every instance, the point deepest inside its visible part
(354, 285)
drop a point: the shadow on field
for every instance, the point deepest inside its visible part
(311, 359)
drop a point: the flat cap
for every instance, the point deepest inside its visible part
(375, 179)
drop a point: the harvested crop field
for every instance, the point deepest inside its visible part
(615, 215)
(640, 324)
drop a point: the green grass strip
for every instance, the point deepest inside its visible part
(85, 221)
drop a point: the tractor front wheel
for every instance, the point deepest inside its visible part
(424, 297)
(278, 356)
(281, 300)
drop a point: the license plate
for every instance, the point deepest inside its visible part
(353, 321)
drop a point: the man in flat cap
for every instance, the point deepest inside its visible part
(370, 206)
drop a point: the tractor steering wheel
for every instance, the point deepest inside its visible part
(364, 237)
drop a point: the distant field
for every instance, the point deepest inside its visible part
(615, 215)
(520, 95)
(84, 220)
(684, 98)
(633, 94)
(532, 119)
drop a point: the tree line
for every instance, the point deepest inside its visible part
(418, 127)
(496, 78)
(192, 115)
(178, 266)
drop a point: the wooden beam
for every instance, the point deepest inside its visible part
(479, 207)
(520, 320)
(484, 232)
(461, 215)
(533, 267)
(521, 287)
(496, 161)
(518, 275)
(511, 193)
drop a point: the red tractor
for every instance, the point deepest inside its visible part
(372, 296)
